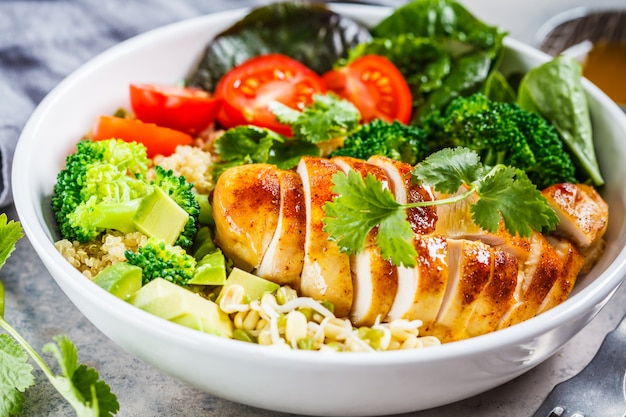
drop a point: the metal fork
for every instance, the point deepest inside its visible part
(599, 390)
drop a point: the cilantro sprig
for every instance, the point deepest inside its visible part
(505, 195)
(79, 385)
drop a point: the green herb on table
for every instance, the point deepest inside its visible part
(505, 195)
(78, 384)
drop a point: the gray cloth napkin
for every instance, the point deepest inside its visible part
(41, 42)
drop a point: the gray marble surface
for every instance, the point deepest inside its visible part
(40, 310)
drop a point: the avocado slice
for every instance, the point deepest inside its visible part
(210, 270)
(254, 287)
(160, 216)
(179, 305)
(120, 279)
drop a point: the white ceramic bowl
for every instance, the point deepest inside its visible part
(294, 381)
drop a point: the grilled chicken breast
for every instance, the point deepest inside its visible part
(466, 281)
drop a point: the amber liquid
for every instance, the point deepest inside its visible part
(605, 66)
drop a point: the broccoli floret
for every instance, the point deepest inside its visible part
(158, 259)
(181, 192)
(394, 140)
(99, 186)
(502, 133)
(102, 187)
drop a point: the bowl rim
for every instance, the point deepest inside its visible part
(28, 203)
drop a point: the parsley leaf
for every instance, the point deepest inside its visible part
(326, 118)
(505, 195)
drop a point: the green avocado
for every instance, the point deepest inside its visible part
(156, 207)
(254, 287)
(120, 279)
(179, 305)
(210, 270)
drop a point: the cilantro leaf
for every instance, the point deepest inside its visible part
(326, 118)
(362, 204)
(15, 376)
(80, 385)
(10, 233)
(505, 195)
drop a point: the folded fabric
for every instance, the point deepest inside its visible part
(41, 42)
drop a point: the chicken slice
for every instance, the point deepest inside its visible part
(470, 267)
(283, 259)
(573, 262)
(537, 276)
(498, 295)
(583, 217)
(421, 289)
(326, 270)
(375, 279)
(246, 207)
(422, 219)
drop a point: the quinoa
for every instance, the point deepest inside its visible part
(92, 257)
(191, 162)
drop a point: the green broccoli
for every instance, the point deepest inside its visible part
(394, 140)
(502, 133)
(103, 186)
(181, 192)
(158, 259)
(99, 187)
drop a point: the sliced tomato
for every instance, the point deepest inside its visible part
(157, 139)
(247, 89)
(187, 109)
(375, 86)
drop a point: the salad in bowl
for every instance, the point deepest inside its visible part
(373, 180)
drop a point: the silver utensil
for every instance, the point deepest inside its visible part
(599, 390)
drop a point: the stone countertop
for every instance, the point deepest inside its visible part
(37, 307)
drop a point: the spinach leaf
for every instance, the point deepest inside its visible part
(444, 19)
(554, 90)
(310, 33)
(467, 76)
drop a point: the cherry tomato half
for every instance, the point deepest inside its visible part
(247, 89)
(157, 139)
(375, 86)
(186, 109)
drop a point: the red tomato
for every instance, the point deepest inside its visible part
(157, 139)
(375, 86)
(247, 89)
(187, 109)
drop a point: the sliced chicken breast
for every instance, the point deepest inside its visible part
(572, 263)
(470, 267)
(375, 279)
(326, 270)
(498, 295)
(421, 289)
(246, 209)
(283, 259)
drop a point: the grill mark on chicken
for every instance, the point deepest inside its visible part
(326, 271)
(466, 282)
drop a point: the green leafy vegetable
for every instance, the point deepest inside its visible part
(506, 194)
(309, 33)
(250, 144)
(554, 90)
(326, 118)
(78, 384)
